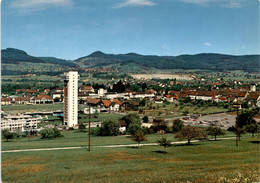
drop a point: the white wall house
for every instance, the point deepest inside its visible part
(21, 123)
(71, 98)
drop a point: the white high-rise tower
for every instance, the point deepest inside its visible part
(71, 98)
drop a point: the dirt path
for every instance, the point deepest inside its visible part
(126, 145)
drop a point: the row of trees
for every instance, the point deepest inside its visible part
(48, 133)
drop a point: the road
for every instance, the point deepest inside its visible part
(107, 146)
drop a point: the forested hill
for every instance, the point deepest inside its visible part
(133, 61)
(15, 56)
(209, 61)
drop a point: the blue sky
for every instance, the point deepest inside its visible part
(71, 29)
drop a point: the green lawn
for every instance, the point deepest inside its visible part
(209, 161)
(72, 139)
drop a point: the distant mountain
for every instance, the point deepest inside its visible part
(58, 61)
(209, 61)
(16, 61)
(14, 56)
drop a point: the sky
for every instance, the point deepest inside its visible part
(70, 29)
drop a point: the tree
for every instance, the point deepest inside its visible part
(191, 132)
(186, 112)
(50, 133)
(245, 118)
(177, 125)
(215, 131)
(160, 124)
(164, 142)
(132, 118)
(6, 134)
(82, 127)
(139, 137)
(109, 127)
(134, 128)
(240, 132)
(252, 128)
(145, 119)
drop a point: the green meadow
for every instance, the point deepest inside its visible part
(203, 161)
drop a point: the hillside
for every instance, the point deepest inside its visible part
(16, 62)
(14, 56)
(207, 61)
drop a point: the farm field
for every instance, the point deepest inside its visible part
(208, 161)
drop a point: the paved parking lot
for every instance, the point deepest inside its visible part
(222, 120)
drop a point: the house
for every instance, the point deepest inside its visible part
(21, 123)
(253, 98)
(46, 91)
(6, 101)
(42, 99)
(86, 89)
(114, 107)
(22, 100)
(105, 104)
(57, 96)
(158, 101)
(122, 125)
(94, 102)
(102, 92)
(140, 95)
(111, 95)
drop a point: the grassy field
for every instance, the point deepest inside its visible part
(209, 161)
(14, 109)
(170, 110)
(72, 139)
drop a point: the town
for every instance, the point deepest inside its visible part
(149, 96)
(130, 91)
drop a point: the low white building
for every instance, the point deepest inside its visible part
(21, 122)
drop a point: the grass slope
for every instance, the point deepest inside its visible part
(211, 161)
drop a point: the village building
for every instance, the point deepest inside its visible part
(19, 123)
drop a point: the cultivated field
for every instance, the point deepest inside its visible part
(163, 76)
(208, 161)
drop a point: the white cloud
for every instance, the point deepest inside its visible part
(128, 3)
(207, 44)
(199, 2)
(222, 3)
(35, 5)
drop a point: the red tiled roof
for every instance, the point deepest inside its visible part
(106, 103)
(41, 97)
(117, 101)
(253, 95)
(222, 98)
(6, 99)
(94, 101)
(86, 87)
(22, 99)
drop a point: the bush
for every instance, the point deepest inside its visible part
(177, 125)
(145, 119)
(70, 128)
(134, 128)
(50, 133)
(139, 137)
(94, 131)
(109, 127)
(6, 134)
